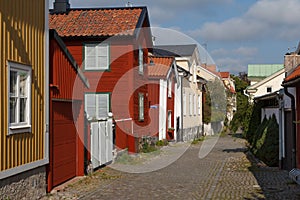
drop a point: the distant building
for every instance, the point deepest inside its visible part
(258, 72)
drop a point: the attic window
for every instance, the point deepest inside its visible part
(269, 89)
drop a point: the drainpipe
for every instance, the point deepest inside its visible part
(279, 99)
(181, 118)
(291, 96)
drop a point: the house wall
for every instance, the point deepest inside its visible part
(275, 83)
(268, 113)
(153, 97)
(23, 36)
(192, 122)
(123, 82)
(66, 86)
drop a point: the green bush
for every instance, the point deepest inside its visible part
(265, 144)
(162, 143)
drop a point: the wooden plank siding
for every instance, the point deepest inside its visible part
(22, 36)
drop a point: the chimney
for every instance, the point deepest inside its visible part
(61, 6)
(291, 61)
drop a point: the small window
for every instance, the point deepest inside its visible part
(191, 104)
(169, 119)
(170, 88)
(141, 107)
(199, 105)
(141, 60)
(19, 113)
(96, 56)
(269, 89)
(97, 105)
(195, 104)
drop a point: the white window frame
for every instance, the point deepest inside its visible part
(97, 114)
(141, 107)
(170, 83)
(141, 60)
(19, 127)
(199, 104)
(195, 103)
(191, 104)
(170, 119)
(97, 48)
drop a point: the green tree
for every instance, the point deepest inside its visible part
(216, 101)
(242, 116)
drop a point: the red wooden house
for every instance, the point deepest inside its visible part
(111, 46)
(67, 83)
(163, 74)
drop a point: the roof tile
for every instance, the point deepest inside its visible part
(160, 67)
(96, 22)
(295, 74)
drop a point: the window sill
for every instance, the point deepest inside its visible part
(19, 129)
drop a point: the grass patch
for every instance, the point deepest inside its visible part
(197, 140)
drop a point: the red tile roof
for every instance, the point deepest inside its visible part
(294, 75)
(96, 22)
(160, 66)
(225, 74)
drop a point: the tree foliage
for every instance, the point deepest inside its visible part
(215, 102)
(244, 109)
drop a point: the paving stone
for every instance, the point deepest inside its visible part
(227, 172)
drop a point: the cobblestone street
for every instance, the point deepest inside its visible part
(227, 172)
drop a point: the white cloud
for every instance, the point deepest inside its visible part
(234, 60)
(266, 18)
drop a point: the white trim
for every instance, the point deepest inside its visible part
(22, 168)
(46, 58)
(19, 127)
(162, 109)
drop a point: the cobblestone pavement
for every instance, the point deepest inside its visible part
(227, 172)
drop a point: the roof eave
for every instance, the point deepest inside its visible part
(74, 64)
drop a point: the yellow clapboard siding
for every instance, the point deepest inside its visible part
(23, 40)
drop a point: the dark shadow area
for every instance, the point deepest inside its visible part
(273, 183)
(236, 150)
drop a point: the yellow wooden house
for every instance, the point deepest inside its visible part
(23, 98)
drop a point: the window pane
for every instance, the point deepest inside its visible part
(23, 84)
(90, 56)
(102, 50)
(12, 110)
(103, 105)
(90, 105)
(13, 83)
(102, 63)
(23, 102)
(141, 106)
(141, 60)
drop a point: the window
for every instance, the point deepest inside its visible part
(169, 119)
(199, 105)
(19, 113)
(96, 56)
(170, 88)
(184, 104)
(141, 106)
(191, 103)
(269, 89)
(97, 105)
(195, 105)
(141, 60)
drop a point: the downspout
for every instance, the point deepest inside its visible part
(181, 117)
(279, 99)
(291, 96)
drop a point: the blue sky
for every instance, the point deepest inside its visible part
(237, 32)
